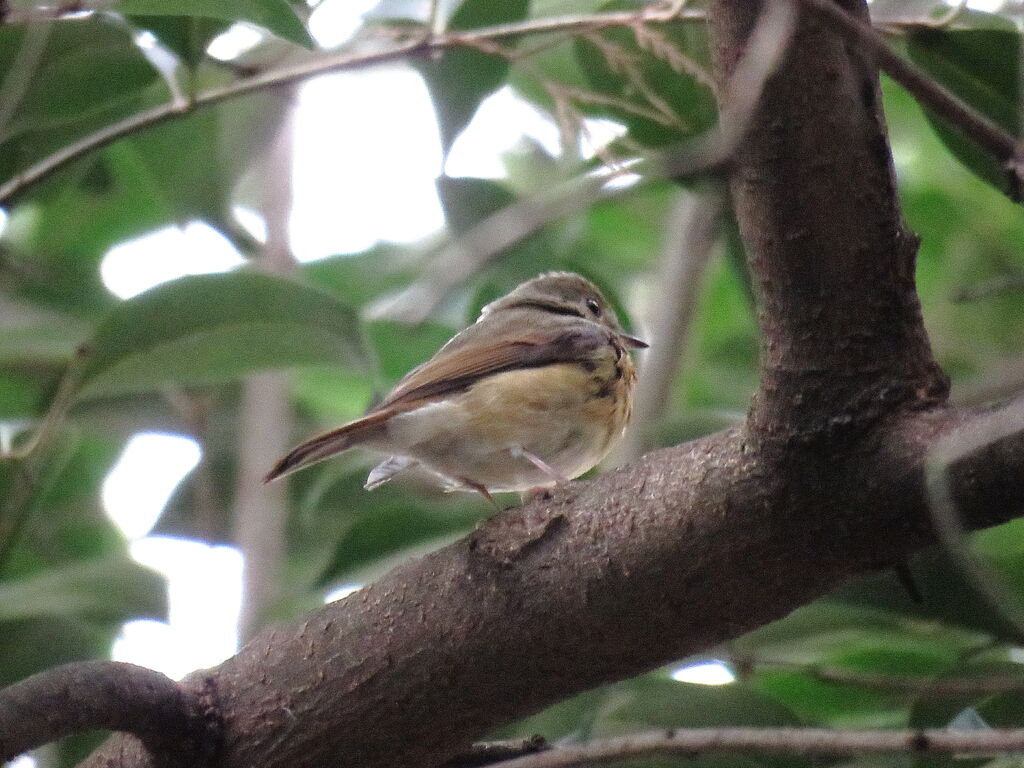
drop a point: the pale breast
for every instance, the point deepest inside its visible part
(567, 414)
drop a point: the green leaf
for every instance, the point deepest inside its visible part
(187, 36)
(223, 142)
(462, 77)
(90, 74)
(359, 278)
(389, 520)
(31, 646)
(212, 328)
(654, 79)
(276, 16)
(80, 83)
(981, 65)
(401, 347)
(55, 243)
(467, 201)
(655, 701)
(111, 588)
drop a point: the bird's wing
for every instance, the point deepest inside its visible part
(479, 351)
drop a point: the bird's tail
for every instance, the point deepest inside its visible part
(328, 444)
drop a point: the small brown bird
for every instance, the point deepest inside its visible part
(533, 394)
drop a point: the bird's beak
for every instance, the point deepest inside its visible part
(634, 342)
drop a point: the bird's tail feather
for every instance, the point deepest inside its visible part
(328, 444)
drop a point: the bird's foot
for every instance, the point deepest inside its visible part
(540, 464)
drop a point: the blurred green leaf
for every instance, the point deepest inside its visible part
(210, 328)
(400, 347)
(374, 526)
(276, 16)
(653, 78)
(467, 201)
(947, 597)
(90, 74)
(460, 78)
(79, 83)
(978, 60)
(359, 278)
(828, 629)
(567, 721)
(655, 701)
(187, 36)
(223, 140)
(31, 646)
(112, 588)
(56, 241)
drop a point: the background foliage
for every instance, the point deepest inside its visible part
(66, 579)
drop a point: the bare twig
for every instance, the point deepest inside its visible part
(414, 46)
(341, 60)
(260, 511)
(1011, 282)
(998, 383)
(171, 721)
(979, 434)
(489, 752)
(43, 13)
(690, 236)
(931, 94)
(791, 741)
(23, 69)
(58, 409)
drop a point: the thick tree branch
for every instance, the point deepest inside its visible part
(842, 340)
(176, 725)
(1002, 145)
(683, 549)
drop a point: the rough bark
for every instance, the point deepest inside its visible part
(690, 545)
(177, 725)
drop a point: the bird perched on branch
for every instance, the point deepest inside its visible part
(533, 394)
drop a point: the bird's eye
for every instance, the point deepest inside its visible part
(594, 307)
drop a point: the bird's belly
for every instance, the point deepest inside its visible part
(563, 414)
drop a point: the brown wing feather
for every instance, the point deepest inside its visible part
(476, 353)
(329, 443)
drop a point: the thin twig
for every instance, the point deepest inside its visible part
(490, 752)
(23, 69)
(344, 59)
(1011, 282)
(264, 415)
(59, 406)
(348, 59)
(931, 94)
(44, 13)
(791, 741)
(691, 233)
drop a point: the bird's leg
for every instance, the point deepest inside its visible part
(540, 464)
(481, 489)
